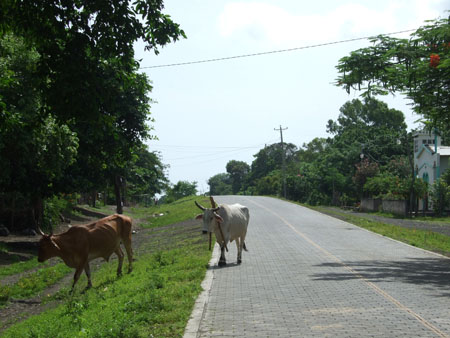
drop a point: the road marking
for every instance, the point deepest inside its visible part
(377, 289)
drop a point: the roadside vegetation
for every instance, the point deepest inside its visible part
(424, 239)
(156, 299)
(368, 151)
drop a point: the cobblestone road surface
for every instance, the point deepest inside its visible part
(310, 275)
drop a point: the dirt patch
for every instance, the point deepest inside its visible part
(143, 241)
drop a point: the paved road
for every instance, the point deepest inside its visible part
(310, 275)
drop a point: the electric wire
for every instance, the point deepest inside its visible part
(215, 155)
(271, 52)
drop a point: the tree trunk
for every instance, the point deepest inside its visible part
(13, 211)
(37, 211)
(94, 198)
(117, 189)
(105, 196)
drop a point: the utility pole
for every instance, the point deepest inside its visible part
(283, 159)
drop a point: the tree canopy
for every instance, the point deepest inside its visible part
(366, 138)
(418, 67)
(74, 107)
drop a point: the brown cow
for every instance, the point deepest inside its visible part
(83, 243)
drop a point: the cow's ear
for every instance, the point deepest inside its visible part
(199, 216)
(218, 218)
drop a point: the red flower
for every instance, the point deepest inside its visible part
(434, 60)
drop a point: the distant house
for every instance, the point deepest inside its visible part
(431, 159)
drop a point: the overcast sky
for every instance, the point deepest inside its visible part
(207, 114)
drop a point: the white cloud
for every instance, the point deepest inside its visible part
(265, 23)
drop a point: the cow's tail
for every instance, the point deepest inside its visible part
(245, 247)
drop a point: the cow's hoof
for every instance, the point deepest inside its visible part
(222, 263)
(239, 261)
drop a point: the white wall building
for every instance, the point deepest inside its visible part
(431, 159)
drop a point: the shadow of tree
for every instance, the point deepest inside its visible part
(433, 272)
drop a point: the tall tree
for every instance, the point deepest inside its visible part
(220, 184)
(369, 128)
(35, 149)
(89, 78)
(146, 175)
(418, 67)
(238, 171)
(181, 189)
(269, 159)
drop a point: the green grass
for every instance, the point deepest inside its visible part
(177, 211)
(3, 248)
(155, 300)
(424, 239)
(174, 212)
(427, 219)
(33, 283)
(18, 267)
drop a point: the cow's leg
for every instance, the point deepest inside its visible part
(129, 249)
(77, 275)
(222, 260)
(120, 255)
(239, 250)
(87, 269)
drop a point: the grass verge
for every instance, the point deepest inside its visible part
(18, 267)
(175, 212)
(33, 283)
(427, 240)
(155, 300)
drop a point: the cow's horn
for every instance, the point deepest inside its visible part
(200, 207)
(213, 203)
(40, 231)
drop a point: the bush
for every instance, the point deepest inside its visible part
(440, 195)
(53, 207)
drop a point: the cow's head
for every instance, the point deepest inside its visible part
(210, 218)
(47, 246)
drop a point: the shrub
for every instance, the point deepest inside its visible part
(440, 195)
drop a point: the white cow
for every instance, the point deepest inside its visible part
(229, 223)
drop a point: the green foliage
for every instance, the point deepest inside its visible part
(35, 149)
(440, 195)
(312, 151)
(270, 184)
(181, 189)
(146, 174)
(238, 171)
(269, 159)
(418, 67)
(32, 283)
(53, 207)
(220, 184)
(330, 171)
(74, 107)
(381, 184)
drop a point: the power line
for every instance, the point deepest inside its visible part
(216, 154)
(271, 52)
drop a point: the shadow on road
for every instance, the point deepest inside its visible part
(229, 265)
(433, 272)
